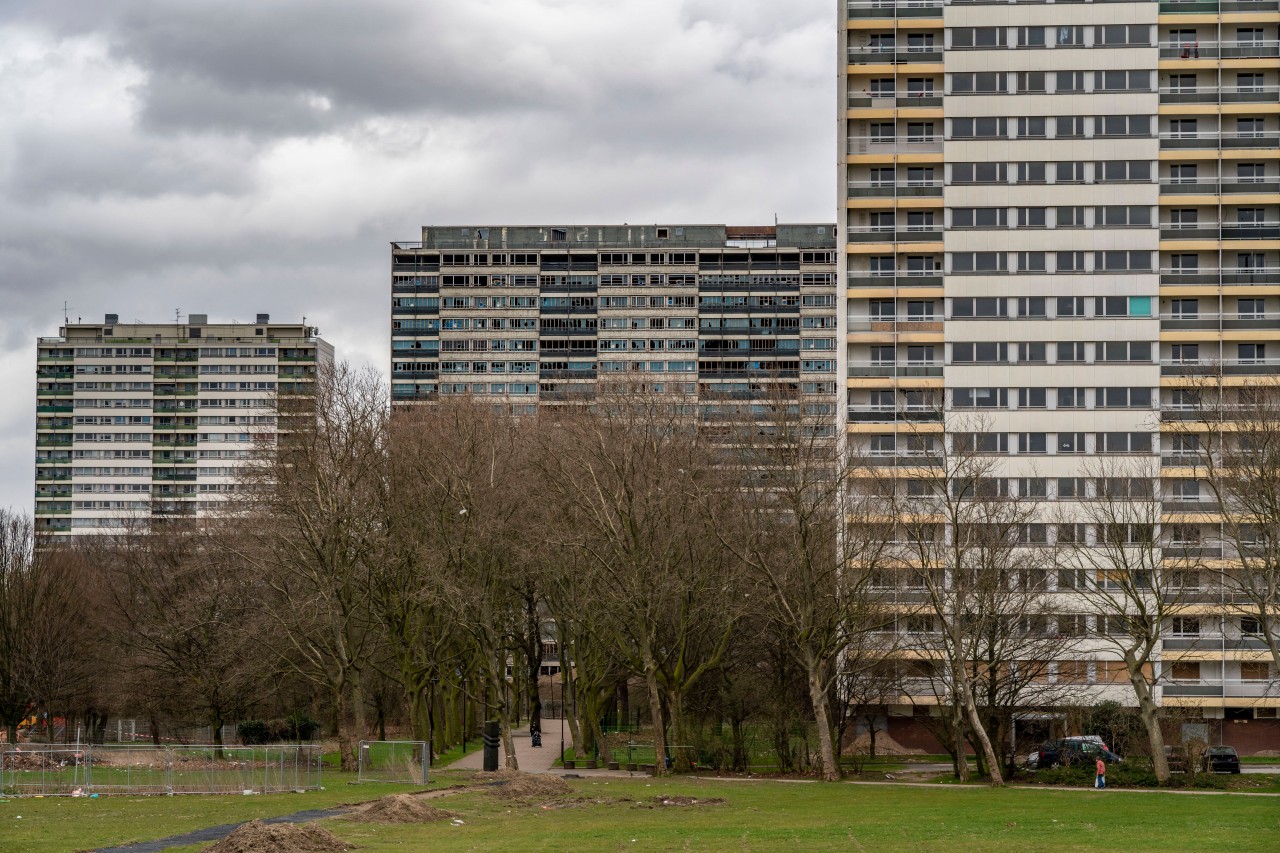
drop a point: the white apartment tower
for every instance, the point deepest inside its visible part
(1060, 218)
(149, 420)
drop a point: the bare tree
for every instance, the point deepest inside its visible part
(1134, 575)
(1229, 440)
(809, 545)
(44, 622)
(307, 520)
(634, 474)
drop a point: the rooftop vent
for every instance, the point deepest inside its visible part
(112, 319)
(264, 318)
(197, 319)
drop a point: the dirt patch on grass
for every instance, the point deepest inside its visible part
(579, 802)
(400, 808)
(258, 837)
(663, 801)
(526, 787)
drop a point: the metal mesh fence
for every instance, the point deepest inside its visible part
(137, 769)
(394, 761)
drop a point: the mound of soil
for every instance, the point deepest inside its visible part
(258, 837)
(400, 808)
(526, 787)
(662, 801)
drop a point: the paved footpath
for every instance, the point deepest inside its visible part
(531, 760)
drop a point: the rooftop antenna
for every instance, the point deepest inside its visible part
(66, 319)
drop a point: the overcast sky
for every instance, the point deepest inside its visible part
(232, 157)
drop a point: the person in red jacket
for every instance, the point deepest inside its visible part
(1101, 781)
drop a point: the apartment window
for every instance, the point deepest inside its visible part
(1031, 82)
(1251, 215)
(1121, 306)
(1069, 442)
(1068, 173)
(1186, 626)
(979, 83)
(920, 354)
(1184, 263)
(923, 264)
(1031, 307)
(1123, 398)
(1068, 36)
(919, 87)
(978, 37)
(919, 132)
(1033, 442)
(1032, 217)
(1122, 35)
(1249, 35)
(1030, 36)
(1184, 353)
(1068, 81)
(919, 310)
(1250, 308)
(1032, 398)
(1250, 261)
(981, 442)
(979, 217)
(882, 220)
(1033, 487)
(1185, 309)
(1252, 353)
(1031, 262)
(1249, 82)
(1071, 398)
(1182, 83)
(1183, 173)
(979, 128)
(980, 398)
(882, 42)
(1122, 171)
(1124, 442)
(1031, 173)
(1122, 261)
(1122, 216)
(981, 306)
(882, 265)
(883, 355)
(1122, 81)
(1068, 127)
(1250, 626)
(1033, 127)
(883, 132)
(883, 309)
(1120, 351)
(982, 352)
(979, 173)
(1033, 352)
(883, 87)
(1122, 126)
(1251, 173)
(883, 177)
(1072, 218)
(1070, 306)
(978, 262)
(919, 176)
(1070, 351)
(1182, 128)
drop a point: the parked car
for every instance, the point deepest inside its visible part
(1071, 751)
(1220, 759)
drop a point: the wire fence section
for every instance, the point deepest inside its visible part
(404, 761)
(51, 771)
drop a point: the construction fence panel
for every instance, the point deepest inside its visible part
(403, 761)
(140, 770)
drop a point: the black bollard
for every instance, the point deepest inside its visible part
(491, 738)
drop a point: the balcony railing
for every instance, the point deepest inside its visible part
(867, 100)
(1199, 687)
(894, 8)
(1224, 366)
(894, 54)
(1260, 49)
(924, 143)
(880, 369)
(1269, 276)
(1213, 186)
(1213, 321)
(903, 278)
(1222, 231)
(899, 234)
(906, 189)
(883, 414)
(1215, 94)
(1212, 139)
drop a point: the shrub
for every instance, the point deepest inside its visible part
(254, 732)
(298, 726)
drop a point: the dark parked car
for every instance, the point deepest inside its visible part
(1221, 759)
(1071, 751)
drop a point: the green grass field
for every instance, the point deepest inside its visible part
(756, 816)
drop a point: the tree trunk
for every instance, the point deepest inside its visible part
(346, 747)
(655, 713)
(984, 742)
(961, 757)
(830, 767)
(215, 724)
(1149, 712)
